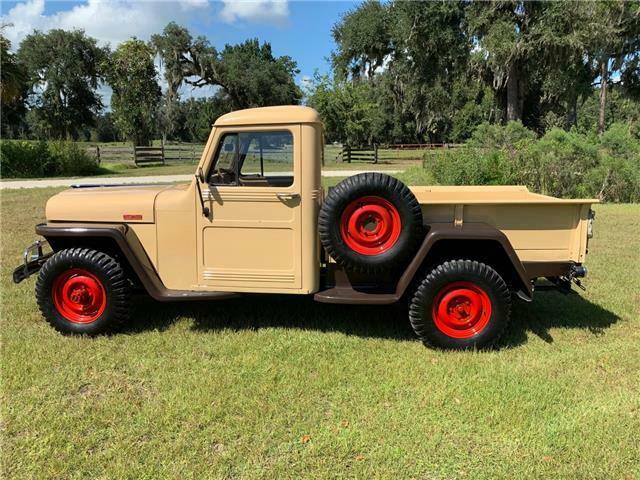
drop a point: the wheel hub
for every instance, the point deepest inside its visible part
(79, 296)
(370, 225)
(461, 309)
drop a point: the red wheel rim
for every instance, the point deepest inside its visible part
(461, 310)
(79, 296)
(370, 225)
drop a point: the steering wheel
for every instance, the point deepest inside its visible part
(223, 173)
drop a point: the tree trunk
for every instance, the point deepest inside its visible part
(513, 95)
(572, 112)
(604, 80)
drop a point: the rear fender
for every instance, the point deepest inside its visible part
(439, 236)
(459, 242)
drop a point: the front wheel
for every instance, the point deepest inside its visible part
(461, 304)
(80, 290)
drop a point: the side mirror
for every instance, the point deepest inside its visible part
(200, 175)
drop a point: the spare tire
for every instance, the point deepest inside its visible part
(370, 223)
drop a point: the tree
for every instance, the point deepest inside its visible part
(13, 89)
(542, 58)
(363, 41)
(413, 53)
(249, 74)
(132, 75)
(63, 70)
(500, 30)
(431, 54)
(613, 39)
(13, 75)
(105, 129)
(169, 47)
(197, 116)
(350, 111)
(169, 115)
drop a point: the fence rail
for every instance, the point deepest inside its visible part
(171, 153)
(190, 153)
(375, 153)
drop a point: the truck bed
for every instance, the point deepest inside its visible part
(540, 228)
(470, 195)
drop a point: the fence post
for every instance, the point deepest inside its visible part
(98, 153)
(348, 153)
(375, 153)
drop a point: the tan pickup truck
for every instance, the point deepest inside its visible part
(255, 219)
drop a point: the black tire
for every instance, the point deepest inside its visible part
(111, 307)
(378, 185)
(460, 276)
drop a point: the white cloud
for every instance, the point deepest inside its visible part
(117, 20)
(112, 22)
(256, 11)
(109, 22)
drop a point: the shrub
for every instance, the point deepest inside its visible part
(507, 136)
(468, 166)
(563, 164)
(71, 159)
(617, 177)
(23, 159)
(556, 164)
(416, 175)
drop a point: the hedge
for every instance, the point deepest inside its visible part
(563, 164)
(24, 159)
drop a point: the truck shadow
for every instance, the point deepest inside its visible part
(256, 312)
(550, 310)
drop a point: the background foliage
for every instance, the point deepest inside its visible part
(436, 70)
(26, 159)
(560, 163)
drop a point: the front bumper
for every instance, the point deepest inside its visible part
(33, 260)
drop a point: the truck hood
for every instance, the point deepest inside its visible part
(118, 203)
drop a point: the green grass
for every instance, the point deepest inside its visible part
(231, 389)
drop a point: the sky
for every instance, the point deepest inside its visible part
(300, 29)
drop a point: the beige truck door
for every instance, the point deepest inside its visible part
(251, 240)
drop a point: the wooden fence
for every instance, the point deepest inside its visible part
(168, 153)
(190, 153)
(376, 153)
(146, 155)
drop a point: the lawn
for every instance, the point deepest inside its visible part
(278, 387)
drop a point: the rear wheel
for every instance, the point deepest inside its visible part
(461, 304)
(80, 290)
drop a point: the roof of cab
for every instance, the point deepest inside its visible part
(269, 115)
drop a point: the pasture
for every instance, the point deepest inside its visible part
(279, 387)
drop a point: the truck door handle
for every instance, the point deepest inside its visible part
(288, 196)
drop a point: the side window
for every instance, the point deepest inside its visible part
(266, 159)
(260, 159)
